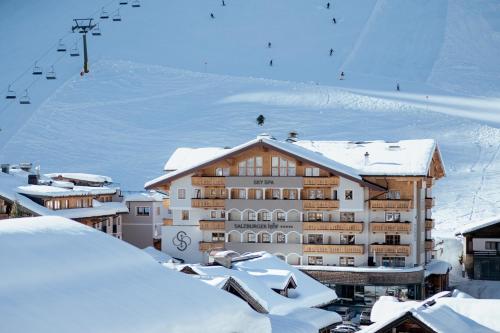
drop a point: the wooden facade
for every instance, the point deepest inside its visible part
(351, 227)
(390, 227)
(391, 249)
(212, 225)
(333, 248)
(208, 246)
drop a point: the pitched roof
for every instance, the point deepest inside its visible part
(474, 226)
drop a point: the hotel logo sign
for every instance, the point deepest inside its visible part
(181, 241)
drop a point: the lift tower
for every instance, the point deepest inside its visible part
(83, 26)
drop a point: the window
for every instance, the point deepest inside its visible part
(258, 194)
(346, 261)
(347, 216)
(265, 237)
(218, 237)
(79, 203)
(312, 172)
(213, 214)
(276, 194)
(158, 211)
(142, 211)
(251, 216)
(315, 239)
(280, 216)
(293, 194)
(197, 193)
(315, 194)
(185, 215)
(282, 167)
(347, 239)
(334, 195)
(222, 214)
(314, 216)
(280, 238)
(242, 194)
(85, 203)
(222, 172)
(495, 246)
(315, 260)
(57, 204)
(251, 237)
(348, 195)
(250, 167)
(393, 261)
(65, 204)
(393, 239)
(392, 217)
(265, 216)
(213, 193)
(181, 193)
(393, 195)
(49, 204)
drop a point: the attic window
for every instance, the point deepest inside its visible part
(394, 147)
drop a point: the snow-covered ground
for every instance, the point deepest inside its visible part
(169, 76)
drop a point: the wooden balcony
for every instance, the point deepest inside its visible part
(429, 224)
(429, 203)
(212, 225)
(208, 181)
(166, 203)
(168, 222)
(208, 203)
(397, 227)
(429, 244)
(333, 248)
(320, 204)
(383, 204)
(352, 227)
(321, 181)
(207, 246)
(390, 249)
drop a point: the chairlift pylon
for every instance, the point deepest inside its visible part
(136, 4)
(11, 94)
(74, 51)
(60, 46)
(37, 70)
(96, 31)
(25, 99)
(104, 14)
(117, 17)
(51, 75)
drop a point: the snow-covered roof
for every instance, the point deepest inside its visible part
(436, 266)
(290, 148)
(142, 196)
(398, 158)
(447, 314)
(81, 176)
(470, 227)
(157, 255)
(58, 271)
(191, 156)
(360, 269)
(55, 191)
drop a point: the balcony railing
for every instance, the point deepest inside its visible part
(208, 203)
(166, 203)
(208, 181)
(429, 203)
(429, 224)
(390, 204)
(390, 249)
(168, 222)
(429, 244)
(207, 246)
(320, 204)
(212, 225)
(320, 181)
(333, 248)
(382, 227)
(354, 227)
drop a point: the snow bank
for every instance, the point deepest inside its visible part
(61, 276)
(157, 255)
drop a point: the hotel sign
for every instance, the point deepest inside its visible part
(264, 182)
(257, 226)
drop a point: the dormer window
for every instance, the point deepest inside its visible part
(282, 167)
(222, 172)
(312, 172)
(250, 167)
(393, 195)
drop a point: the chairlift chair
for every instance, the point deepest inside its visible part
(51, 75)
(136, 4)
(74, 51)
(123, 2)
(11, 94)
(61, 47)
(117, 17)
(96, 31)
(37, 70)
(104, 14)
(25, 99)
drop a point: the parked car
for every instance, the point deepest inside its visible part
(364, 319)
(344, 328)
(345, 312)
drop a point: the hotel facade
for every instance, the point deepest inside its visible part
(311, 203)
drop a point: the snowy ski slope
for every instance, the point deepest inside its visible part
(168, 75)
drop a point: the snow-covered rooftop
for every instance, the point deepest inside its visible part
(56, 191)
(59, 271)
(470, 227)
(360, 269)
(191, 156)
(81, 176)
(436, 266)
(142, 196)
(157, 255)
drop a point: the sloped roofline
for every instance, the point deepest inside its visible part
(249, 145)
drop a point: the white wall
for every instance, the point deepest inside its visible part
(357, 202)
(479, 244)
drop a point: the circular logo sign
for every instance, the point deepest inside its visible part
(181, 241)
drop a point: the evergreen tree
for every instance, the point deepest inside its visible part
(260, 120)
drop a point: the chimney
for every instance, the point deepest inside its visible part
(5, 168)
(367, 158)
(292, 137)
(33, 179)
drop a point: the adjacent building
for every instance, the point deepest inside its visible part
(318, 204)
(481, 249)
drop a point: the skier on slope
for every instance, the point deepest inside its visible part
(212, 15)
(331, 52)
(271, 63)
(397, 86)
(334, 21)
(328, 5)
(223, 3)
(269, 45)
(341, 75)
